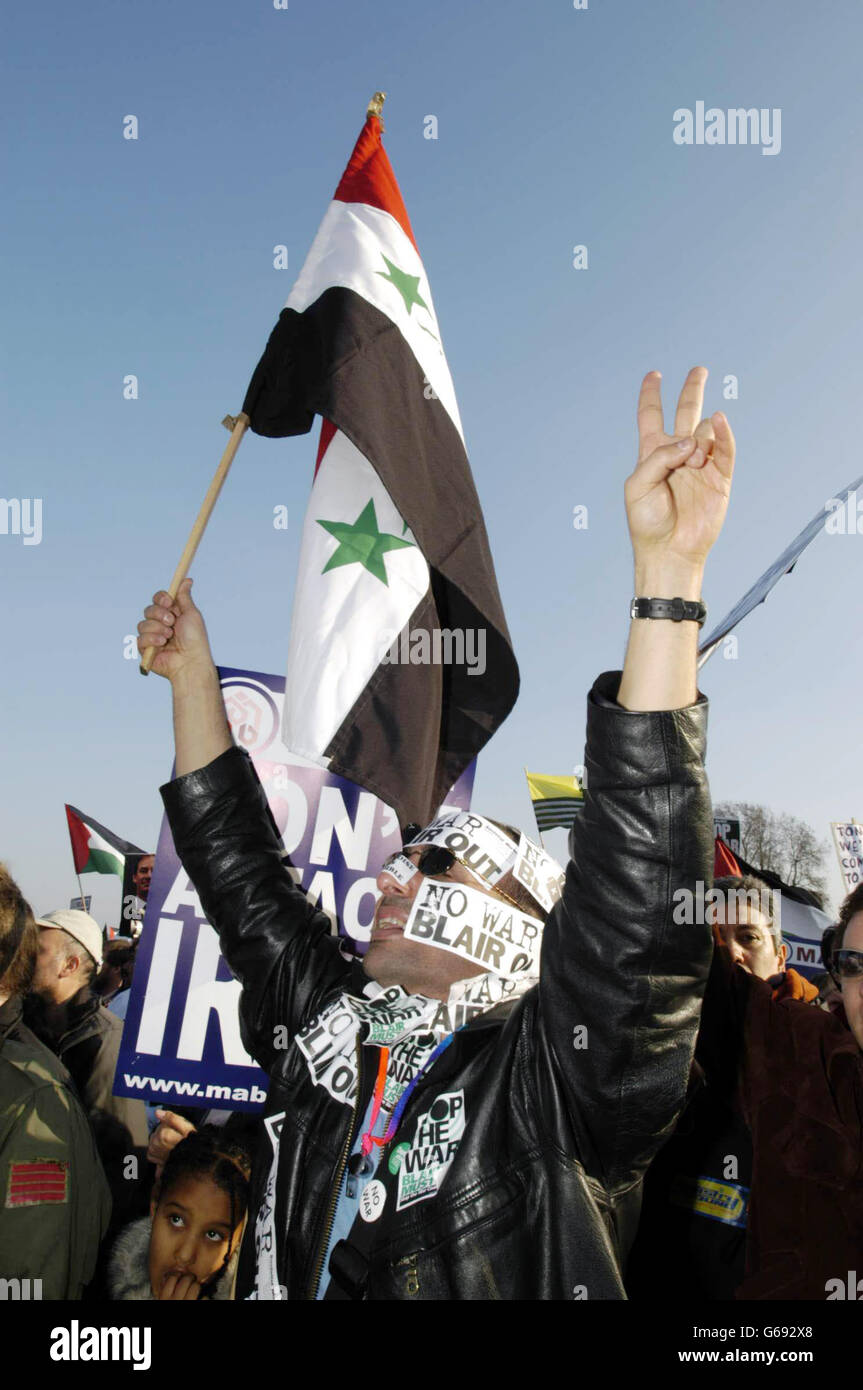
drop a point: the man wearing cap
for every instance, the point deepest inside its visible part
(54, 1201)
(469, 1112)
(66, 1013)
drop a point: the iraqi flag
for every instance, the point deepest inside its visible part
(400, 664)
(96, 850)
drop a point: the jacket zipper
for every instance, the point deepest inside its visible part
(334, 1196)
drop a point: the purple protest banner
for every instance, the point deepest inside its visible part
(181, 1040)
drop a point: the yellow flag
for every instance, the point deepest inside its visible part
(556, 800)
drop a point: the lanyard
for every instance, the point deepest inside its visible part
(395, 1119)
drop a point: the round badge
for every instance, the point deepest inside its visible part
(372, 1199)
(394, 1162)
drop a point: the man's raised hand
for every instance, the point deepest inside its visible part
(677, 497)
(175, 627)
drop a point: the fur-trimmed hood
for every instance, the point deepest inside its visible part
(128, 1267)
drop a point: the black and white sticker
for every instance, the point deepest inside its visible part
(483, 849)
(400, 868)
(426, 1161)
(372, 1199)
(477, 927)
(267, 1287)
(540, 874)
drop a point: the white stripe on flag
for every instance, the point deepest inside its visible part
(349, 250)
(338, 617)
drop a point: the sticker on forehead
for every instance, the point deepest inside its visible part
(400, 868)
(481, 929)
(476, 843)
(541, 875)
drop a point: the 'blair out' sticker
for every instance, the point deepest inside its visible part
(475, 842)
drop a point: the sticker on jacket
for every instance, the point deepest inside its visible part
(727, 1202)
(425, 1163)
(267, 1285)
(393, 1019)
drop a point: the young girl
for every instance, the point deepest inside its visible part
(187, 1248)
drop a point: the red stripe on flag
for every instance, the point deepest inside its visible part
(369, 178)
(80, 837)
(328, 429)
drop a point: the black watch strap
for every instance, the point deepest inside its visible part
(679, 610)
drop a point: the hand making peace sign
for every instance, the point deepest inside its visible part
(677, 497)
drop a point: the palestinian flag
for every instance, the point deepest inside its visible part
(400, 664)
(96, 850)
(556, 800)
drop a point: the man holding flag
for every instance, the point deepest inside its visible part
(417, 1148)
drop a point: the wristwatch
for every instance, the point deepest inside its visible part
(679, 610)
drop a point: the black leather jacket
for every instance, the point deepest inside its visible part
(543, 1193)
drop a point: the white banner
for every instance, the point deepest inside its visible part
(848, 839)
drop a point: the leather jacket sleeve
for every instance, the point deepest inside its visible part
(276, 943)
(787, 1059)
(621, 981)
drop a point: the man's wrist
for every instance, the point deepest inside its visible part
(195, 680)
(668, 580)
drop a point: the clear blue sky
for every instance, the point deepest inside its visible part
(155, 257)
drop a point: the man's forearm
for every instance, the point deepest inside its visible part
(201, 731)
(660, 667)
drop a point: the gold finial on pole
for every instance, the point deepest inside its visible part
(375, 106)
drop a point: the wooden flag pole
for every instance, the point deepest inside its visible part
(237, 424)
(533, 808)
(81, 891)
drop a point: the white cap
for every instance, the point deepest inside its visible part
(81, 925)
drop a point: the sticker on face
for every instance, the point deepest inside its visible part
(480, 929)
(400, 868)
(541, 875)
(477, 844)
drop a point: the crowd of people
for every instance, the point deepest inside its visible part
(531, 1086)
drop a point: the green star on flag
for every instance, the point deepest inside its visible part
(362, 543)
(407, 285)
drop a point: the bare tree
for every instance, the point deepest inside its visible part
(778, 842)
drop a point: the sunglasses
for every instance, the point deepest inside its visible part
(846, 965)
(436, 860)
